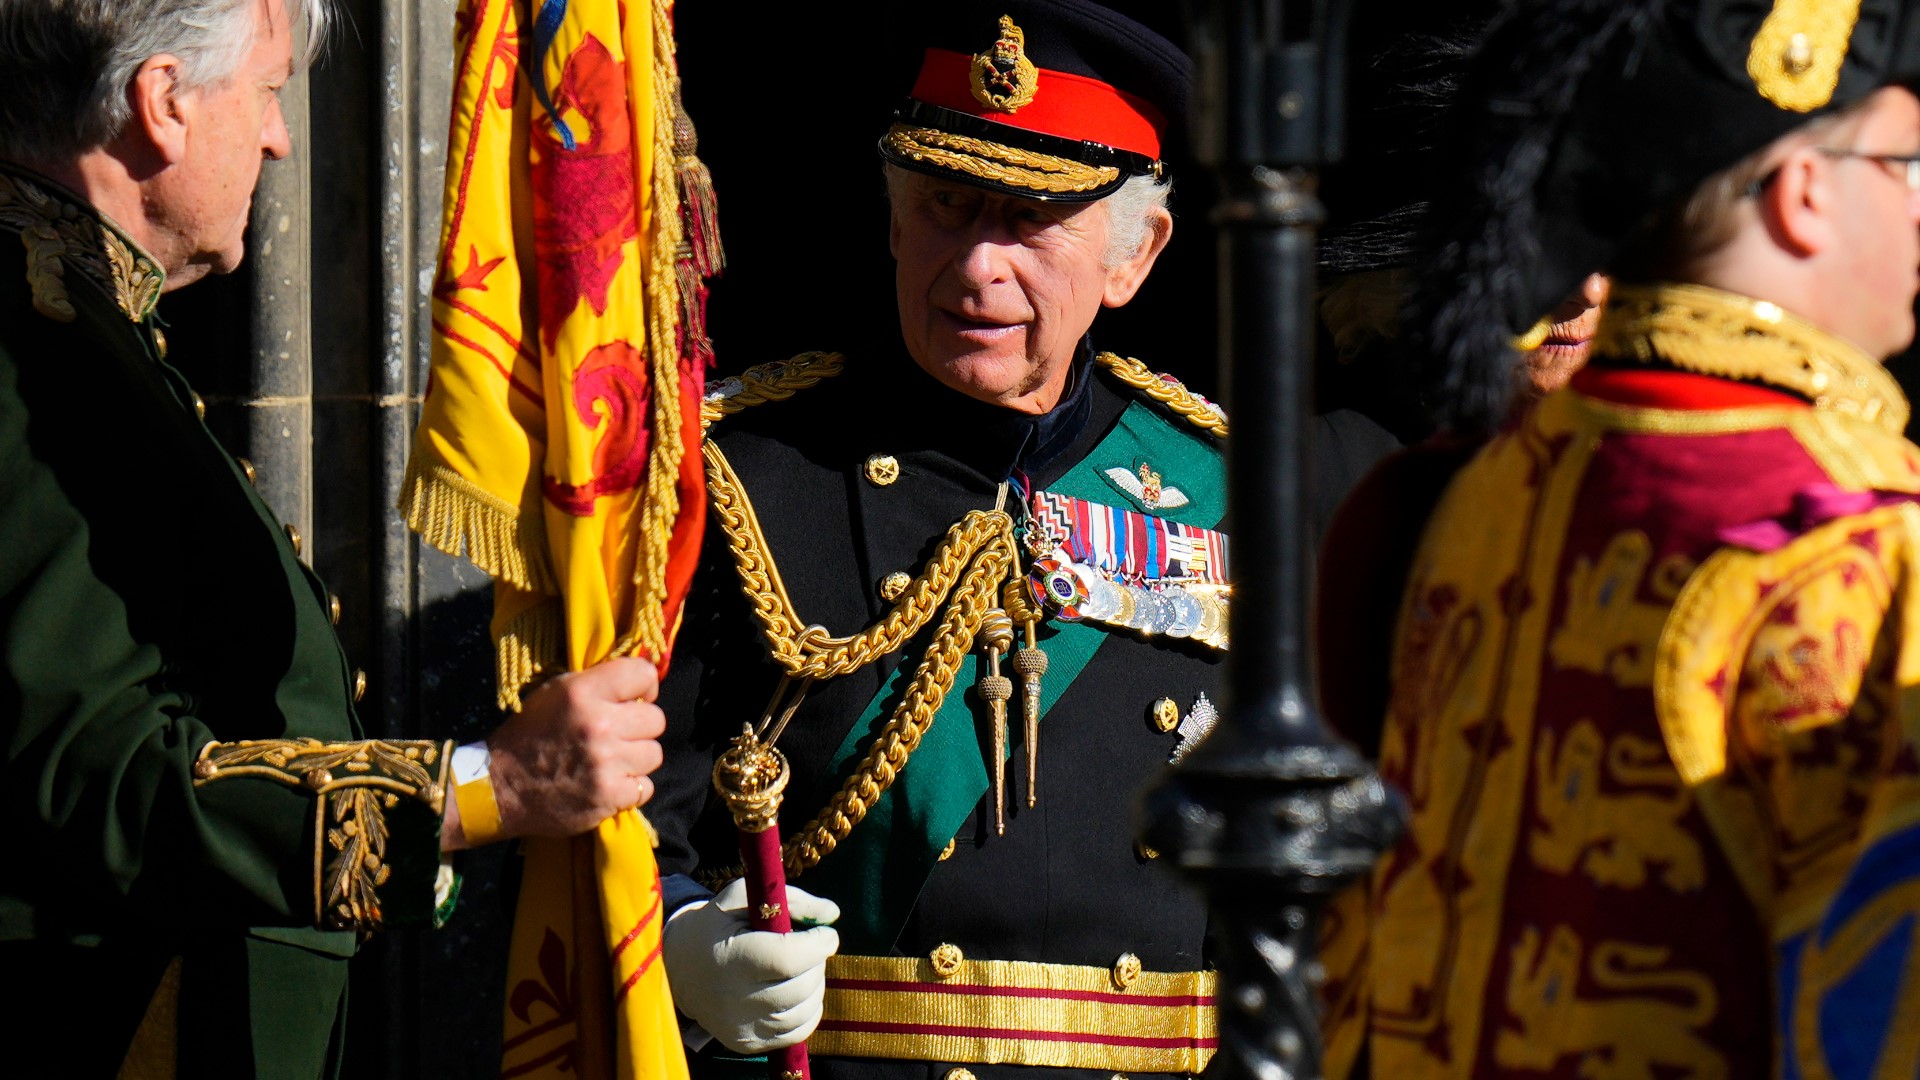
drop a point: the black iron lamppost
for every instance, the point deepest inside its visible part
(1273, 813)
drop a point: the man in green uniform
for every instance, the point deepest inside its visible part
(199, 829)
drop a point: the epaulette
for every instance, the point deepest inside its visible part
(1167, 391)
(767, 382)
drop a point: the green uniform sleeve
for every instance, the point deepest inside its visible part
(130, 793)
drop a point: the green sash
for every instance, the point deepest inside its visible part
(876, 873)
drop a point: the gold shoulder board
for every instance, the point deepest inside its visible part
(762, 383)
(1169, 392)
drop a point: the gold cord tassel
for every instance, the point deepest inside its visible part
(995, 689)
(1030, 663)
(700, 256)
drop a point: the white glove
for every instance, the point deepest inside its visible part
(754, 990)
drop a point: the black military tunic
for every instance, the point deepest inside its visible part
(858, 479)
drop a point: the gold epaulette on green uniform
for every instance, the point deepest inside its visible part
(354, 785)
(1168, 392)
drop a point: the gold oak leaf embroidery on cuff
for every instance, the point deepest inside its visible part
(354, 784)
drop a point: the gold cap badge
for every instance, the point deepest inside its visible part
(1003, 79)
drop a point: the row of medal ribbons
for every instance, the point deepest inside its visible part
(1124, 568)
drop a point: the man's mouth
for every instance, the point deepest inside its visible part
(978, 329)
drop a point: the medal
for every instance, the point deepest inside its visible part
(1124, 568)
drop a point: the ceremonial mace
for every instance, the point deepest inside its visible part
(752, 777)
(1273, 813)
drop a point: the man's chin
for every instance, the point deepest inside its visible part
(1010, 382)
(206, 265)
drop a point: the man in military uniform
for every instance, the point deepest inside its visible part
(199, 829)
(1652, 698)
(977, 591)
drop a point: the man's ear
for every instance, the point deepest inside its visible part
(1125, 278)
(159, 111)
(1798, 204)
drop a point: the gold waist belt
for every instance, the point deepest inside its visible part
(1017, 1013)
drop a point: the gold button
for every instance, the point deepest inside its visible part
(946, 960)
(893, 585)
(947, 852)
(333, 609)
(246, 467)
(1799, 56)
(1126, 970)
(317, 778)
(959, 1074)
(199, 406)
(1144, 851)
(883, 469)
(160, 342)
(293, 537)
(1165, 715)
(359, 684)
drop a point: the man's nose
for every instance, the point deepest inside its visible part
(983, 261)
(1594, 289)
(275, 141)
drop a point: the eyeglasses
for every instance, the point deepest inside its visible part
(1909, 162)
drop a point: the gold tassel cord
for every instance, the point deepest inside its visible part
(901, 736)
(895, 744)
(807, 651)
(648, 633)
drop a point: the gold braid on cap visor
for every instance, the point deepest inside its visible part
(997, 162)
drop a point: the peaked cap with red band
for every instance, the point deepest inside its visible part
(1061, 100)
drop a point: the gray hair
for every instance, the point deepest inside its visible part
(65, 65)
(1130, 213)
(1131, 208)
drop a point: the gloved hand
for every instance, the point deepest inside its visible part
(754, 990)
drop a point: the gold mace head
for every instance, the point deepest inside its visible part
(751, 776)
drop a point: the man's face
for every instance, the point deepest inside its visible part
(1877, 223)
(995, 292)
(231, 127)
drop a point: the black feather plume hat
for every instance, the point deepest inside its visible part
(1581, 120)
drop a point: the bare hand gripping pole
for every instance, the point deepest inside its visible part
(752, 777)
(1273, 813)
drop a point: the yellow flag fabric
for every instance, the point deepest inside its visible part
(552, 453)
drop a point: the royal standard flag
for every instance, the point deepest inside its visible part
(553, 450)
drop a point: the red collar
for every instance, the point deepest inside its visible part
(1660, 389)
